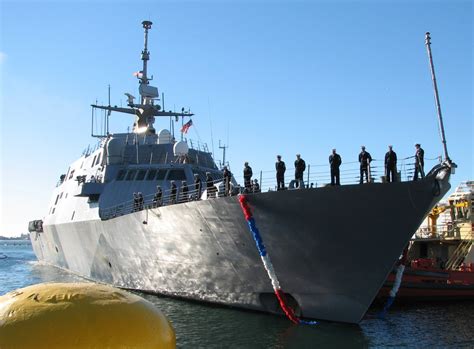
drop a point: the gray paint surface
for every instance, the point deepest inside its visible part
(331, 247)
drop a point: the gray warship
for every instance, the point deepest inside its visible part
(331, 247)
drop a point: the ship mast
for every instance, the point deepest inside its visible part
(145, 57)
(146, 110)
(438, 106)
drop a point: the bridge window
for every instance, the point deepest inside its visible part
(98, 159)
(121, 175)
(67, 174)
(140, 175)
(130, 175)
(216, 176)
(176, 175)
(202, 174)
(151, 175)
(161, 175)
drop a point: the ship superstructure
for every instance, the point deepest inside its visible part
(105, 223)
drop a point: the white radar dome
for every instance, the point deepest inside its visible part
(164, 137)
(180, 148)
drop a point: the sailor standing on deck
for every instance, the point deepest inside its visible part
(184, 191)
(280, 173)
(140, 201)
(173, 192)
(226, 176)
(211, 189)
(197, 186)
(391, 165)
(247, 176)
(419, 162)
(335, 161)
(255, 186)
(300, 166)
(365, 159)
(158, 197)
(135, 202)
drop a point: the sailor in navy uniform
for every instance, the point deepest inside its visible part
(365, 159)
(135, 202)
(419, 162)
(173, 192)
(247, 176)
(158, 197)
(184, 191)
(140, 201)
(335, 161)
(226, 176)
(197, 186)
(300, 166)
(255, 186)
(391, 165)
(211, 189)
(280, 173)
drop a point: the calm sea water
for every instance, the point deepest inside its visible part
(201, 326)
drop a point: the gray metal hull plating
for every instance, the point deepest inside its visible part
(331, 247)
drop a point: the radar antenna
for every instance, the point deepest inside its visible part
(145, 56)
(146, 110)
(223, 147)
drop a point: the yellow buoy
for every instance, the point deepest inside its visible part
(81, 315)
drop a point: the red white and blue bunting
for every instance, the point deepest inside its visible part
(289, 312)
(396, 284)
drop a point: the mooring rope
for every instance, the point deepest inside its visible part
(289, 312)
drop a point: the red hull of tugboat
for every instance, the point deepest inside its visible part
(432, 284)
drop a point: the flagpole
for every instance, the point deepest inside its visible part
(438, 106)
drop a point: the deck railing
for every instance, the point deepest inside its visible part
(314, 176)
(168, 198)
(318, 175)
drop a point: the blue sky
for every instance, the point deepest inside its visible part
(273, 77)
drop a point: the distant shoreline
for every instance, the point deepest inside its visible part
(22, 237)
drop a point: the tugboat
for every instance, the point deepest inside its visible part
(108, 221)
(441, 253)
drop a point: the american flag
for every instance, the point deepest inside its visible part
(186, 126)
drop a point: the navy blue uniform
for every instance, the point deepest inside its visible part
(419, 163)
(227, 176)
(365, 159)
(248, 177)
(335, 161)
(280, 174)
(300, 166)
(391, 166)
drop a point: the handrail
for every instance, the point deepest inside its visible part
(166, 199)
(349, 174)
(319, 174)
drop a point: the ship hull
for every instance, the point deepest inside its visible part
(332, 248)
